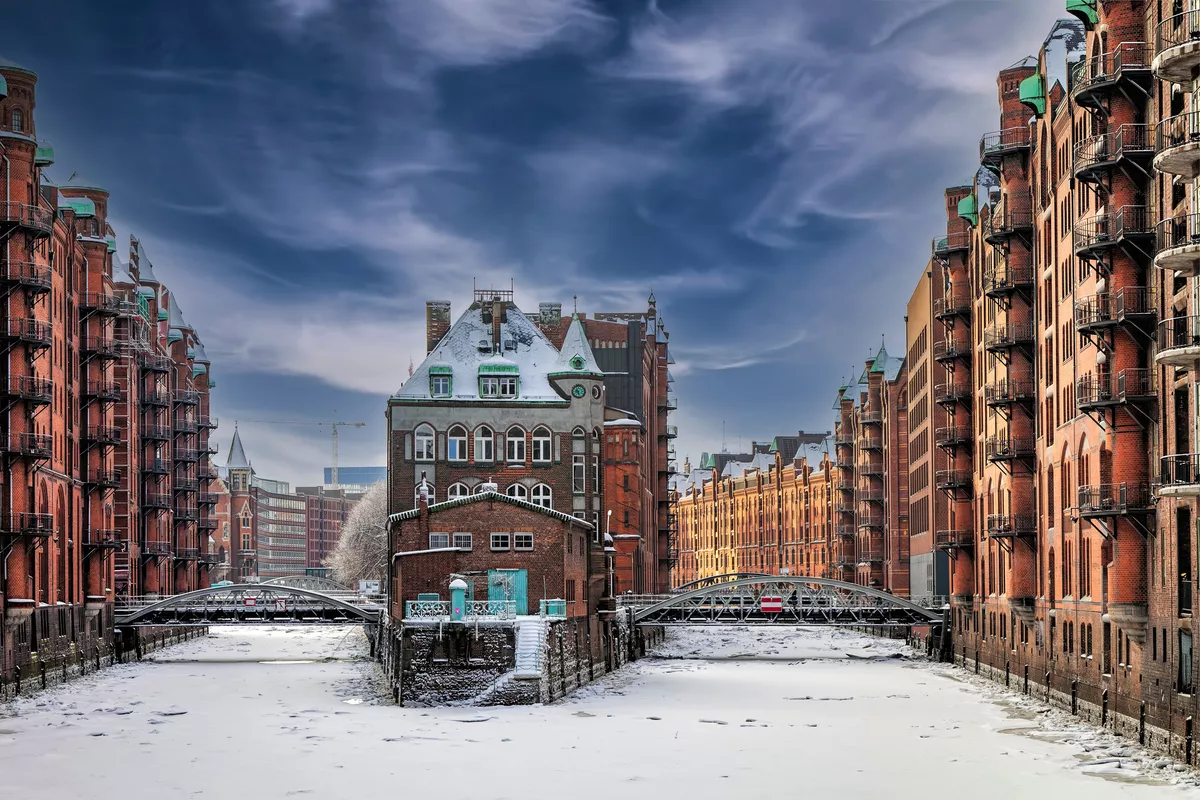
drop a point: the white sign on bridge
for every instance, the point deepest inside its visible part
(770, 604)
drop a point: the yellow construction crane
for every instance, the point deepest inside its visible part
(333, 425)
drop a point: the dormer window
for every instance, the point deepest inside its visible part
(498, 381)
(441, 381)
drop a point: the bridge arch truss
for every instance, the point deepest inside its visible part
(246, 603)
(801, 601)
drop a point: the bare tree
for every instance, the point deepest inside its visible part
(361, 552)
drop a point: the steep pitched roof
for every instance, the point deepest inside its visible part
(576, 357)
(237, 456)
(175, 318)
(445, 505)
(880, 361)
(468, 345)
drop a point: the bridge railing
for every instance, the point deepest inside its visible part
(474, 609)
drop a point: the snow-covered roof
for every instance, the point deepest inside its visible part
(687, 484)
(467, 347)
(201, 356)
(413, 513)
(175, 318)
(145, 268)
(619, 423)
(761, 461)
(237, 456)
(120, 273)
(576, 356)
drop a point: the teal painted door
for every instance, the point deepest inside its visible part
(509, 584)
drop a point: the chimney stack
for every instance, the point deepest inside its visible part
(437, 323)
(497, 312)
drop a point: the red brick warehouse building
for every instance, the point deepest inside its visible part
(89, 345)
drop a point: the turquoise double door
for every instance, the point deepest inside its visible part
(509, 584)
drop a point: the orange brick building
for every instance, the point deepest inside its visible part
(91, 507)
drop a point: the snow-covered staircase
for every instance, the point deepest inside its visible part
(531, 641)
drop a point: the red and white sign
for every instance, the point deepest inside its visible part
(249, 602)
(770, 605)
(280, 604)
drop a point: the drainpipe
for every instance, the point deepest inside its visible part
(8, 367)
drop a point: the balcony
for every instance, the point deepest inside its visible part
(208, 524)
(186, 454)
(846, 531)
(1177, 145)
(32, 332)
(1006, 449)
(844, 440)
(210, 559)
(1179, 475)
(207, 473)
(1097, 157)
(870, 470)
(844, 506)
(952, 349)
(953, 480)
(871, 417)
(1125, 69)
(1177, 245)
(1177, 48)
(35, 220)
(156, 467)
(156, 548)
(1004, 280)
(948, 394)
(156, 433)
(870, 521)
(953, 437)
(945, 308)
(1132, 305)
(1128, 226)
(187, 397)
(208, 498)
(29, 445)
(37, 391)
(156, 398)
(670, 431)
(949, 540)
(1179, 342)
(186, 513)
(872, 496)
(1099, 392)
(185, 426)
(104, 304)
(156, 363)
(951, 244)
(108, 391)
(104, 478)
(1115, 500)
(870, 444)
(210, 423)
(994, 146)
(103, 347)
(1001, 338)
(1007, 393)
(33, 277)
(156, 501)
(186, 554)
(103, 539)
(846, 560)
(1002, 226)
(1012, 526)
(24, 524)
(106, 435)
(186, 485)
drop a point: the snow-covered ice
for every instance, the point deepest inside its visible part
(290, 712)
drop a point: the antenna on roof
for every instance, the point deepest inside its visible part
(724, 449)
(575, 298)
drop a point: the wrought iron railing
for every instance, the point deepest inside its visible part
(1180, 230)
(1103, 230)
(1001, 336)
(1105, 67)
(1110, 499)
(27, 216)
(1177, 131)
(951, 306)
(1106, 148)
(1005, 277)
(944, 437)
(1179, 469)
(998, 142)
(1003, 526)
(27, 273)
(1179, 332)
(950, 243)
(1001, 448)
(1178, 30)
(954, 538)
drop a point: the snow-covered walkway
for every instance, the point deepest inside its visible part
(264, 713)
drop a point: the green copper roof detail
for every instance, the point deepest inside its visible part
(79, 206)
(162, 313)
(1033, 93)
(492, 369)
(441, 369)
(1085, 11)
(198, 369)
(191, 352)
(212, 384)
(968, 209)
(111, 241)
(44, 155)
(881, 358)
(174, 335)
(3, 87)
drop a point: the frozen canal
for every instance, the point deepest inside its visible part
(271, 713)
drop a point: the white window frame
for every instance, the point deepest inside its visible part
(521, 543)
(435, 390)
(457, 490)
(417, 493)
(514, 446)
(424, 441)
(463, 541)
(500, 542)
(485, 445)
(508, 387)
(489, 386)
(542, 445)
(456, 446)
(438, 540)
(578, 473)
(518, 491)
(546, 500)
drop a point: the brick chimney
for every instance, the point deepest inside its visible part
(437, 323)
(497, 313)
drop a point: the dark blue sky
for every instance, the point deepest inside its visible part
(306, 173)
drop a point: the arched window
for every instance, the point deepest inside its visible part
(456, 443)
(515, 445)
(518, 491)
(484, 440)
(424, 440)
(417, 493)
(542, 496)
(578, 460)
(483, 487)
(457, 490)
(18, 121)
(541, 445)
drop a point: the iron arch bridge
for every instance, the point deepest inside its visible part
(314, 582)
(781, 600)
(713, 580)
(244, 603)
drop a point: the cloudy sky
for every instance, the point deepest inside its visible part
(306, 173)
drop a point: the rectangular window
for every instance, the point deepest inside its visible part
(577, 472)
(570, 598)
(500, 541)
(489, 387)
(463, 541)
(508, 387)
(595, 473)
(437, 540)
(439, 385)
(522, 541)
